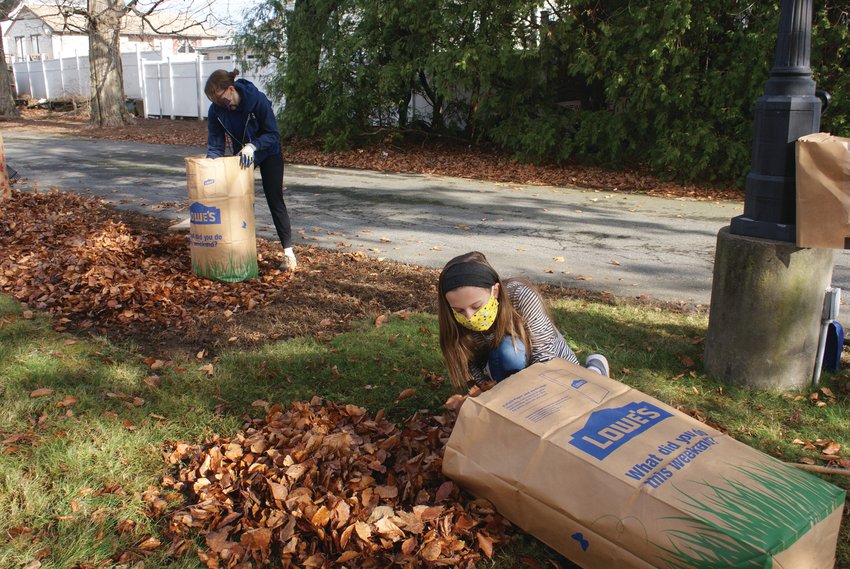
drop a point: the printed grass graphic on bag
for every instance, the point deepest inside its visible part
(221, 215)
(235, 269)
(735, 525)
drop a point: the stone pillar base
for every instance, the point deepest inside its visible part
(765, 316)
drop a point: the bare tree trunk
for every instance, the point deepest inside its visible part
(7, 98)
(108, 107)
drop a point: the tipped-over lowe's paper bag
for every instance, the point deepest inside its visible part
(613, 478)
(823, 191)
(221, 215)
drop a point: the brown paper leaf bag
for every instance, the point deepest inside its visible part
(613, 478)
(823, 191)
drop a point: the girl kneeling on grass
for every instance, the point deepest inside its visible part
(494, 327)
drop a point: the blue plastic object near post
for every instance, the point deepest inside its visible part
(834, 346)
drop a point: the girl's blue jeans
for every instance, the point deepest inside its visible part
(507, 359)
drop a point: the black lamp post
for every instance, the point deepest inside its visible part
(758, 268)
(790, 108)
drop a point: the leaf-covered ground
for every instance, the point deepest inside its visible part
(413, 155)
(123, 275)
(97, 269)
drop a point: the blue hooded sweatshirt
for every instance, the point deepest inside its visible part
(253, 121)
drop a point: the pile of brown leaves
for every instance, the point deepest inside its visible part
(94, 268)
(64, 255)
(326, 485)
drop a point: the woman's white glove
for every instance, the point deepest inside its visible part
(246, 156)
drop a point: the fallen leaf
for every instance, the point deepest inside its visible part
(686, 360)
(152, 381)
(431, 551)
(256, 538)
(125, 526)
(407, 393)
(41, 392)
(149, 544)
(363, 531)
(347, 556)
(485, 544)
(67, 401)
(381, 320)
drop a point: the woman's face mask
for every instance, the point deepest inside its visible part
(464, 301)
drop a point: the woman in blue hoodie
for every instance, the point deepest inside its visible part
(243, 113)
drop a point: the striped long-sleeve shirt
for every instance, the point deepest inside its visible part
(547, 343)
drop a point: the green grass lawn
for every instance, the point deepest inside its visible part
(74, 463)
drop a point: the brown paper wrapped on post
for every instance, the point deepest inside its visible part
(5, 184)
(611, 477)
(823, 191)
(221, 215)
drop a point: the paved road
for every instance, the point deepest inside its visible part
(629, 245)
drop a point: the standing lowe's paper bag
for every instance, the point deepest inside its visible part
(613, 478)
(823, 191)
(221, 215)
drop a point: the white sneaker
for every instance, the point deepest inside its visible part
(289, 263)
(598, 363)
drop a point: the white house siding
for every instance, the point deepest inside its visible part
(43, 34)
(26, 29)
(69, 45)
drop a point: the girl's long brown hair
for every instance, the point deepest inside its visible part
(456, 342)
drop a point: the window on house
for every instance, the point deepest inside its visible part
(34, 44)
(19, 47)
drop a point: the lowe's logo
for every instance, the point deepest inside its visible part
(199, 213)
(609, 429)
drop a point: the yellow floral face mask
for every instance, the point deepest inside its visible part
(483, 318)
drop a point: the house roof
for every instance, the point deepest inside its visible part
(154, 24)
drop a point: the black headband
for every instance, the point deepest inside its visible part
(467, 274)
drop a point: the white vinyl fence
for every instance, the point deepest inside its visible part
(167, 88)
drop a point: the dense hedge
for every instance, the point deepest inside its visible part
(667, 86)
